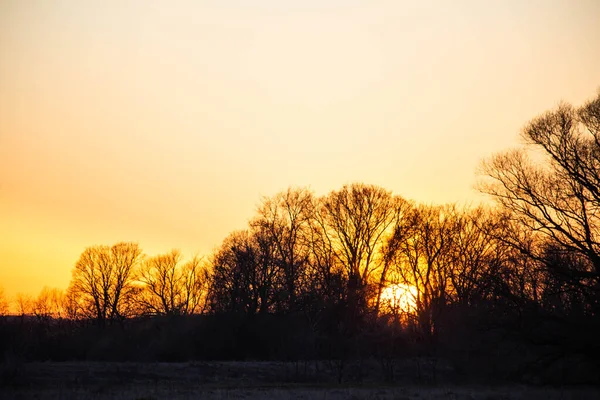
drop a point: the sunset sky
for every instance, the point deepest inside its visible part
(165, 122)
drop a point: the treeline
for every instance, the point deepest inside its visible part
(510, 292)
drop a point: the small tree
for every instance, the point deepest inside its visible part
(49, 303)
(4, 305)
(24, 303)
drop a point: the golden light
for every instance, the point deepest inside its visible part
(399, 298)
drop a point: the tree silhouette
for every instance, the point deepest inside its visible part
(356, 219)
(244, 274)
(49, 303)
(24, 303)
(554, 190)
(4, 305)
(285, 220)
(425, 259)
(171, 287)
(477, 256)
(103, 281)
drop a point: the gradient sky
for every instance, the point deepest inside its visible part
(165, 122)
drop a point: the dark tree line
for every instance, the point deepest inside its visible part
(516, 285)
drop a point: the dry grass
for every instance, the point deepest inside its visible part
(342, 393)
(239, 380)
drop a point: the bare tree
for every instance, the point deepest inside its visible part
(196, 286)
(476, 254)
(554, 189)
(285, 220)
(326, 274)
(24, 303)
(244, 274)
(170, 286)
(403, 226)
(73, 304)
(49, 303)
(425, 258)
(4, 305)
(512, 274)
(103, 283)
(356, 220)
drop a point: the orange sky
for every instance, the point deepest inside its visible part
(165, 122)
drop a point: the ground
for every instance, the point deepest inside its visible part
(242, 380)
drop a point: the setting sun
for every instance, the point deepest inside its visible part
(399, 298)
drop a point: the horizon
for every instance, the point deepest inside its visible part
(166, 124)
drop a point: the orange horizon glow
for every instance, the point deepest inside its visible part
(164, 123)
(399, 298)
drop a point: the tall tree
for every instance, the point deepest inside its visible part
(285, 220)
(425, 258)
(356, 219)
(552, 188)
(244, 274)
(103, 281)
(477, 255)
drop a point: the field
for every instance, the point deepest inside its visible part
(245, 380)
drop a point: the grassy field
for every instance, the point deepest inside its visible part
(242, 380)
(354, 393)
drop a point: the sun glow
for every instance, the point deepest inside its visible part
(399, 298)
